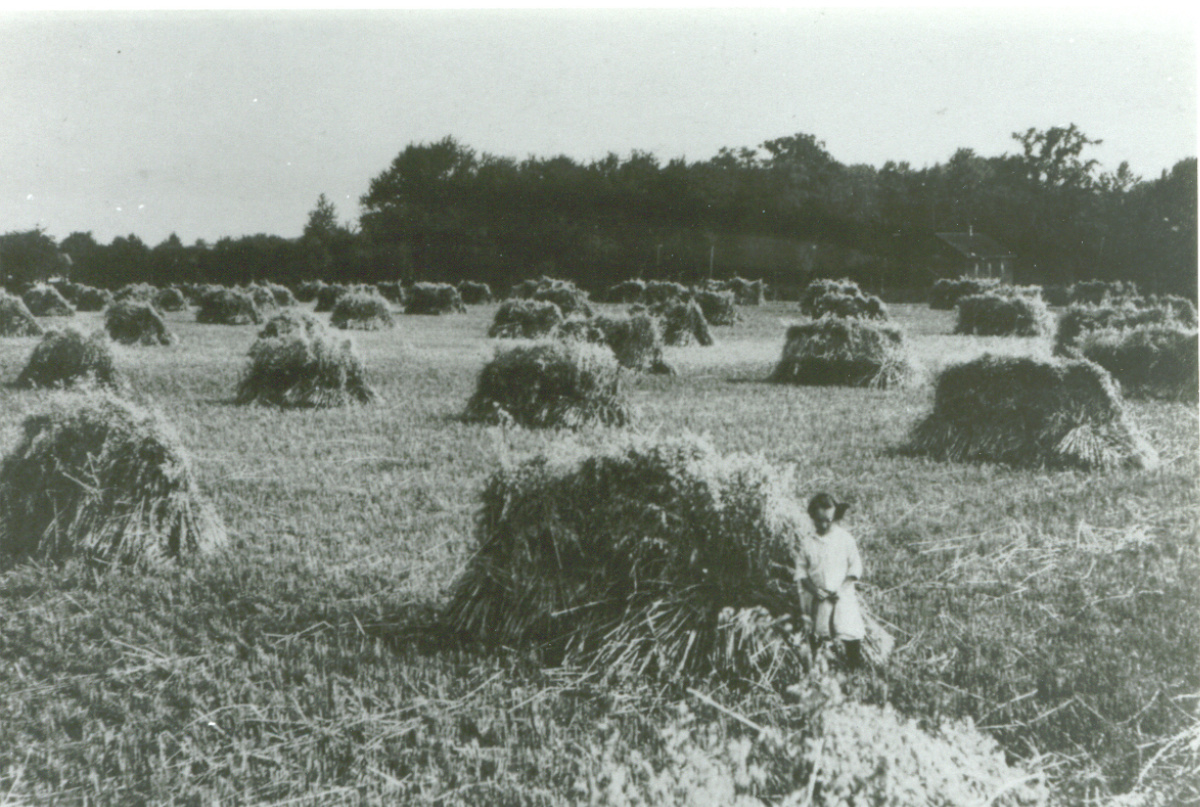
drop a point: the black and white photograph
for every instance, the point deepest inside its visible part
(610, 406)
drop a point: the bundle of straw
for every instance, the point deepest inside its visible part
(45, 301)
(519, 318)
(90, 299)
(473, 293)
(303, 365)
(285, 322)
(718, 307)
(99, 477)
(306, 291)
(264, 298)
(627, 291)
(15, 317)
(683, 323)
(569, 298)
(169, 299)
(1159, 361)
(624, 559)
(747, 292)
(362, 311)
(67, 357)
(1025, 412)
(1129, 313)
(1003, 315)
(945, 293)
(327, 296)
(845, 352)
(221, 306)
(143, 292)
(635, 340)
(283, 295)
(392, 291)
(550, 384)
(664, 293)
(132, 322)
(433, 298)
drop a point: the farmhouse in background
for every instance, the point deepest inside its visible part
(971, 254)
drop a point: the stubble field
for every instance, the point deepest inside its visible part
(1057, 609)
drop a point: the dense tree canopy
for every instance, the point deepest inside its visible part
(440, 211)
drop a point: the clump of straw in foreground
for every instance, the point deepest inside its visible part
(99, 477)
(643, 557)
(1025, 412)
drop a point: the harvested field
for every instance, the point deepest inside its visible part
(1053, 608)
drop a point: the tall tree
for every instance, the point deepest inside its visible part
(29, 256)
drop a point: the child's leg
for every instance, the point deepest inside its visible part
(854, 658)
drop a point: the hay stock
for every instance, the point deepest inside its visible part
(90, 299)
(520, 318)
(222, 306)
(474, 293)
(1078, 320)
(433, 299)
(627, 291)
(1003, 315)
(297, 363)
(550, 384)
(635, 339)
(633, 558)
(684, 323)
(98, 477)
(67, 357)
(841, 298)
(845, 352)
(1031, 413)
(569, 298)
(1157, 360)
(132, 322)
(169, 299)
(362, 311)
(718, 307)
(946, 293)
(45, 301)
(15, 317)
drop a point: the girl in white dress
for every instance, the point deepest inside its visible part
(827, 567)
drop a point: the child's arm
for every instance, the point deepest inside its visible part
(855, 565)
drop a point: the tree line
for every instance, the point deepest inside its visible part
(441, 211)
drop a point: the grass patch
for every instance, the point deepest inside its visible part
(1055, 608)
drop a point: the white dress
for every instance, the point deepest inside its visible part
(827, 561)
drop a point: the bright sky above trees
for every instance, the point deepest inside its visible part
(229, 123)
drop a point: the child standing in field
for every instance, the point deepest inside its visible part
(827, 566)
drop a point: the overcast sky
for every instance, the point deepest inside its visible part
(220, 123)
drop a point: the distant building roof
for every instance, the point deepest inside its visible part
(975, 245)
